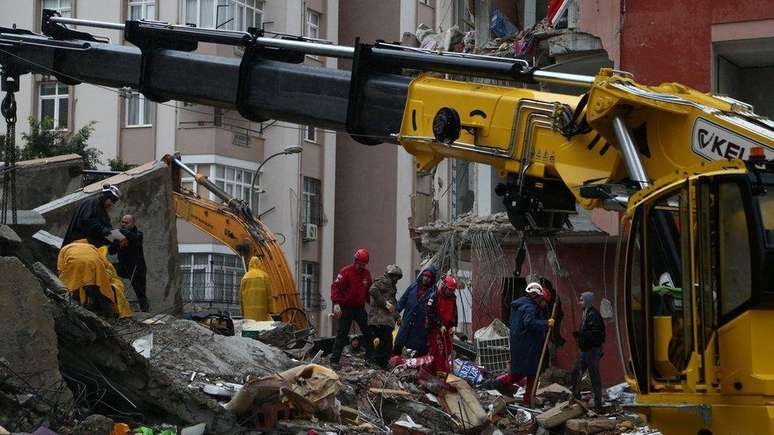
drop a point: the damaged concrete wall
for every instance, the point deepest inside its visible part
(146, 194)
(28, 344)
(42, 180)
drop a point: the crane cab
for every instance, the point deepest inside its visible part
(696, 300)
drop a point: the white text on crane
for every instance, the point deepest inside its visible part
(714, 142)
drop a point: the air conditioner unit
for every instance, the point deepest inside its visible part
(310, 232)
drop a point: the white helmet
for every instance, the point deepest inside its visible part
(534, 288)
(112, 191)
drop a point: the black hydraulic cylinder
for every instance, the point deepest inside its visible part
(283, 91)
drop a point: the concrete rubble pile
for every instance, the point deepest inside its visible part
(65, 369)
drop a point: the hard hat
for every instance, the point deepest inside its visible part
(394, 270)
(112, 191)
(534, 288)
(450, 282)
(361, 256)
(546, 294)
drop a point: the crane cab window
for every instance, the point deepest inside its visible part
(668, 244)
(733, 249)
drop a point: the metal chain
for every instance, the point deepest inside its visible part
(9, 157)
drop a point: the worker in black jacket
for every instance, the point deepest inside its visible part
(91, 221)
(590, 337)
(131, 259)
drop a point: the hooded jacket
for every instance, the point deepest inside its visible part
(414, 324)
(255, 291)
(350, 289)
(527, 333)
(382, 291)
(90, 222)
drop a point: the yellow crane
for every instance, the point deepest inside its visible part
(690, 172)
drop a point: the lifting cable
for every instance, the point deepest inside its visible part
(10, 84)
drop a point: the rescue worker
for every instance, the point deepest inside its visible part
(382, 314)
(590, 338)
(349, 294)
(443, 322)
(255, 291)
(528, 328)
(131, 259)
(414, 305)
(91, 221)
(90, 277)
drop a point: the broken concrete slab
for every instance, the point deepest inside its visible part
(42, 180)
(28, 344)
(146, 194)
(49, 279)
(95, 424)
(559, 414)
(9, 241)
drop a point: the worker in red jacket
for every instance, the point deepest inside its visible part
(349, 294)
(442, 320)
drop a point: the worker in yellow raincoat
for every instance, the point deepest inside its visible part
(256, 292)
(91, 279)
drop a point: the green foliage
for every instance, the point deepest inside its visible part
(119, 165)
(44, 141)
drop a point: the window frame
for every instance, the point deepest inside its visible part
(227, 293)
(251, 200)
(233, 13)
(59, 8)
(309, 25)
(55, 97)
(310, 284)
(143, 105)
(144, 6)
(310, 138)
(311, 202)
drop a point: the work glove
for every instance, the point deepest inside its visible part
(390, 307)
(550, 323)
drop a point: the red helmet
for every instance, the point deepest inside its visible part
(450, 282)
(361, 256)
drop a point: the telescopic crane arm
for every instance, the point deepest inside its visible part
(554, 150)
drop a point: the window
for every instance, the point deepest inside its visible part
(312, 24)
(310, 285)
(62, 6)
(138, 111)
(142, 10)
(312, 201)
(235, 181)
(224, 14)
(310, 134)
(54, 99)
(213, 278)
(734, 249)
(670, 273)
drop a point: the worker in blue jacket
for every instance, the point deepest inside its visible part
(414, 304)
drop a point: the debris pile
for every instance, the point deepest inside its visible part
(65, 370)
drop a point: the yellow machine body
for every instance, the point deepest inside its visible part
(686, 139)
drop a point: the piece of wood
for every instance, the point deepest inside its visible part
(463, 405)
(542, 357)
(559, 414)
(586, 426)
(389, 391)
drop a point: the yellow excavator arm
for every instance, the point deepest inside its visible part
(233, 225)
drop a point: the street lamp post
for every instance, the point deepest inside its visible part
(293, 149)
